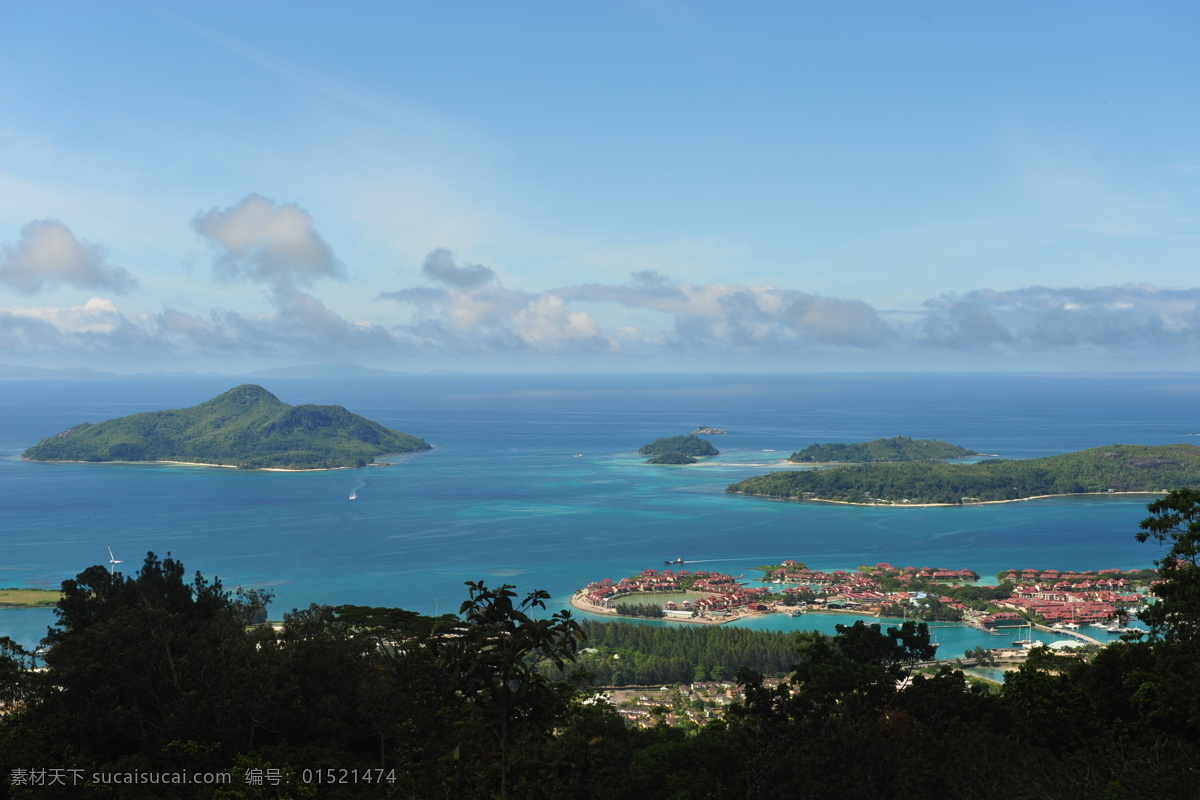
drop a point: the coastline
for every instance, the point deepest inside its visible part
(943, 505)
(199, 464)
(580, 604)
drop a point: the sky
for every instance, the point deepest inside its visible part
(623, 186)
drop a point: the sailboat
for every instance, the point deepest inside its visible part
(1028, 641)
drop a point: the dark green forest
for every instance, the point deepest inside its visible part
(898, 448)
(246, 427)
(1116, 468)
(155, 672)
(624, 653)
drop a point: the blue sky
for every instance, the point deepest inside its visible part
(615, 186)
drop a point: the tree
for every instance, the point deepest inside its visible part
(14, 663)
(491, 658)
(1175, 520)
(137, 663)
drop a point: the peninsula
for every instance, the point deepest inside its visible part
(898, 448)
(29, 598)
(246, 427)
(1111, 469)
(678, 450)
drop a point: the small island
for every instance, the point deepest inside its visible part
(246, 427)
(896, 449)
(705, 430)
(678, 450)
(1111, 469)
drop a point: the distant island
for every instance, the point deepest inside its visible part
(246, 427)
(1116, 468)
(899, 448)
(678, 450)
(704, 430)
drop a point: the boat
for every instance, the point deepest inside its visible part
(676, 561)
(354, 495)
(577, 455)
(1028, 641)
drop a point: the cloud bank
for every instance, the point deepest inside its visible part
(1040, 319)
(460, 309)
(49, 255)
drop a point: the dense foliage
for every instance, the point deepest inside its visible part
(246, 427)
(678, 450)
(898, 448)
(624, 653)
(1116, 468)
(673, 458)
(648, 610)
(155, 673)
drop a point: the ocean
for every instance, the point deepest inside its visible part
(535, 481)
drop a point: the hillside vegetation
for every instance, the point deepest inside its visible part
(678, 450)
(246, 427)
(1116, 468)
(898, 448)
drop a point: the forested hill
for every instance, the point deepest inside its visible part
(1116, 468)
(898, 448)
(246, 427)
(678, 450)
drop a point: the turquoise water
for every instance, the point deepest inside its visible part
(502, 499)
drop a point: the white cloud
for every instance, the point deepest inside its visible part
(49, 255)
(261, 241)
(493, 319)
(717, 315)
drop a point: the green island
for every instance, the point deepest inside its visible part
(246, 427)
(29, 598)
(898, 448)
(678, 450)
(1115, 468)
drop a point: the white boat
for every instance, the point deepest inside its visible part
(354, 495)
(577, 455)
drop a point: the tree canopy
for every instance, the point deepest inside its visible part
(898, 448)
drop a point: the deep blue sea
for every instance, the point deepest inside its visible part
(502, 498)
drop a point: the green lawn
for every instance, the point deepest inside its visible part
(29, 598)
